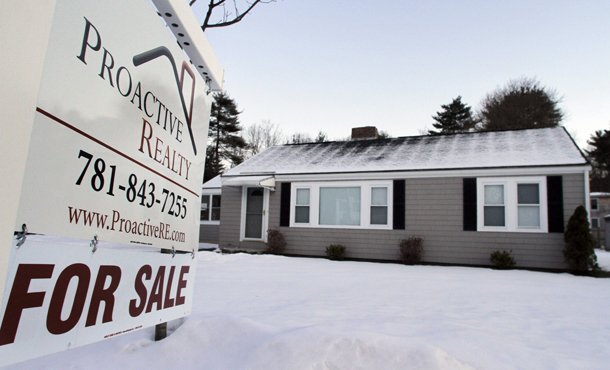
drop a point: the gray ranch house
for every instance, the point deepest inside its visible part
(466, 195)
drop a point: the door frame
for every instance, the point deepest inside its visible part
(265, 223)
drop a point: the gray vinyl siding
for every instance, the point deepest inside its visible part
(209, 233)
(434, 211)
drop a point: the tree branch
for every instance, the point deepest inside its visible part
(211, 7)
(225, 23)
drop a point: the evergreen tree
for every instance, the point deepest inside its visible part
(599, 155)
(521, 104)
(578, 252)
(224, 142)
(455, 117)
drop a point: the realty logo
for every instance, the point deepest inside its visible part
(147, 56)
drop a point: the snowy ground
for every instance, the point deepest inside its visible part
(270, 312)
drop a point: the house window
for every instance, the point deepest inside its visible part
(301, 211)
(205, 208)
(512, 204)
(340, 206)
(594, 204)
(210, 208)
(215, 216)
(346, 204)
(528, 199)
(379, 206)
(595, 222)
(494, 206)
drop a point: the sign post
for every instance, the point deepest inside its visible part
(106, 148)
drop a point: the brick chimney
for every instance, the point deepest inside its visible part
(365, 133)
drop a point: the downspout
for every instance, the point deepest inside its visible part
(587, 196)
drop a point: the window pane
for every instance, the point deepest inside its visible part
(528, 194)
(529, 216)
(215, 207)
(215, 214)
(594, 204)
(595, 223)
(494, 216)
(254, 202)
(340, 206)
(379, 215)
(205, 211)
(303, 197)
(301, 214)
(494, 194)
(254, 213)
(379, 196)
(254, 226)
(215, 201)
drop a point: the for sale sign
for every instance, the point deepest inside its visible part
(116, 122)
(120, 131)
(62, 295)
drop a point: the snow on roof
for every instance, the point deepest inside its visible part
(599, 194)
(518, 148)
(212, 183)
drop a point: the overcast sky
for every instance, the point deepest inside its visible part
(314, 65)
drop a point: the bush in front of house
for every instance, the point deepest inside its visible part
(336, 252)
(411, 250)
(276, 241)
(579, 251)
(502, 260)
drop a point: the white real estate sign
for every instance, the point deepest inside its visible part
(116, 152)
(63, 296)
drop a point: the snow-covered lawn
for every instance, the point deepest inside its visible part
(603, 259)
(271, 312)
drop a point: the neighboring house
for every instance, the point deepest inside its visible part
(209, 224)
(467, 195)
(600, 217)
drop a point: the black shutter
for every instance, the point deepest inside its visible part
(554, 193)
(398, 211)
(470, 204)
(285, 205)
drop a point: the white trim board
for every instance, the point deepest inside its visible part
(398, 175)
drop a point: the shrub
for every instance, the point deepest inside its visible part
(411, 250)
(502, 260)
(578, 252)
(336, 252)
(276, 242)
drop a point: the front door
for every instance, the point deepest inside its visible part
(255, 213)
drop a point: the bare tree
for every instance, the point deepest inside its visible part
(523, 103)
(305, 138)
(300, 138)
(321, 138)
(228, 17)
(263, 135)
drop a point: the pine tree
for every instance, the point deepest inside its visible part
(578, 252)
(455, 117)
(224, 142)
(599, 155)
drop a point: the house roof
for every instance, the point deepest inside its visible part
(600, 195)
(496, 149)
(213, 183)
